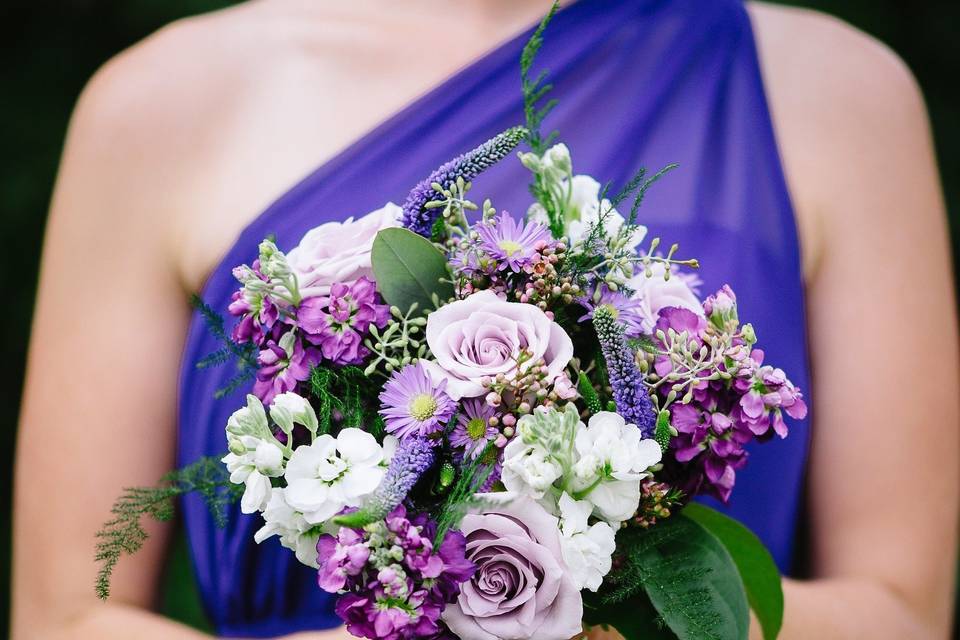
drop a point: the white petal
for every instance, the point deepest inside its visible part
(307, 494)
(360, 481)
(358, 447)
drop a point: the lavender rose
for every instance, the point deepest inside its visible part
(339, 251)
(522, 588)
(482, 336)
(655, 293)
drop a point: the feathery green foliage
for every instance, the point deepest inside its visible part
(244, 354)
(534, 89)
(346, 391)
(124, 533)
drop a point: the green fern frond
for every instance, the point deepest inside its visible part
(125, 534)
(534, 89)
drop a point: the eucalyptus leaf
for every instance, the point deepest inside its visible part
(759, 573)
(409, 269)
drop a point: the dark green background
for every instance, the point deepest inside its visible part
(50, 49)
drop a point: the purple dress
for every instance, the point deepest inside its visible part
(640, 83)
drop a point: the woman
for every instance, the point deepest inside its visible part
(180, 143)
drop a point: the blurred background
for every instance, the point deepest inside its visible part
(51, 47)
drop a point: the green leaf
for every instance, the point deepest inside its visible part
(409, 269)
(759, 573)
(635, 619)
(689, 577)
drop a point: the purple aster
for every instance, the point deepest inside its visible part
(512, 243)
(473, 430)
(284, 364)
(623, 309)
(337, 323)
(411, 404)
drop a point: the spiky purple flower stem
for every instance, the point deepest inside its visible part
(413, 457)
(468, 166)
(629, 392)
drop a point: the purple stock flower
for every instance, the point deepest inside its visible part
(473, 430)
(413, 405)
(512, 243)
(338, 322)
(723, 416)
(397, 584)
(284, 364)
(623, 309)
(256, 309)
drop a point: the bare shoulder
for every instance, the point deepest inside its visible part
(824, 56)
(203, 64)
(198, 127)
(847, 112)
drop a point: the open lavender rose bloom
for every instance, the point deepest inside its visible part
(520, 589)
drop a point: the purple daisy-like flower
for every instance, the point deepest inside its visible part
(511, 242)
(623, 309)
(473, 430)
(413, 405)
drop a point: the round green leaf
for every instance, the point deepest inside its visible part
(759, 573)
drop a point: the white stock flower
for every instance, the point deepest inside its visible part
(253, 462)
(528, 469)
(583, 205)
(289, 408)
(613, 460)
(295, 533)
(333, 473)
(587, 550)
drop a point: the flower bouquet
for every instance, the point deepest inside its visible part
(479, 425)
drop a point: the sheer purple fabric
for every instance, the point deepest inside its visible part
(640, 83)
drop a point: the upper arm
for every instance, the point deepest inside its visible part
(100, 396)
(881, 313)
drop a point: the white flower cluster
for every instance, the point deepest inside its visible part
(577, 196)
(581, 472)
(298, 491)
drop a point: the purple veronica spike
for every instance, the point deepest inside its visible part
(624, 310)
(629, 393)
(468, 166)
(413, 457)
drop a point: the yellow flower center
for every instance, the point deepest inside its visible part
(423, 407)
(510, 247)
(476, 428)
(613, 310)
